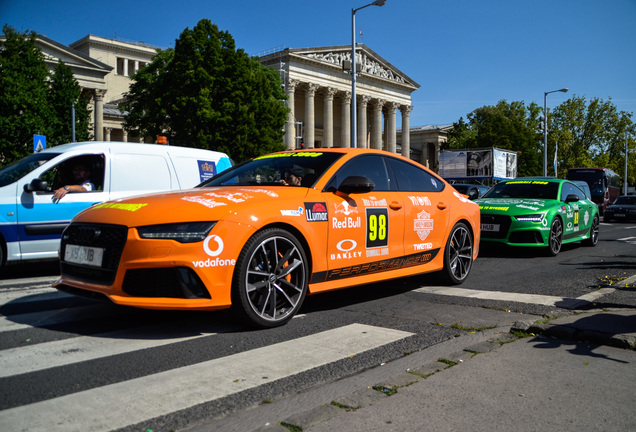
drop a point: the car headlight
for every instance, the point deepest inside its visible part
(187, 232)
(530, 218)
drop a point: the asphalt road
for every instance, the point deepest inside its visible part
(165, 370)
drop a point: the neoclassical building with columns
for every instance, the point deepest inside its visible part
(317, 84)
(318, 88)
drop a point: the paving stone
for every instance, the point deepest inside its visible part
(360, 398)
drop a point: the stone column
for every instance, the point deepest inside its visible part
(125, 135)
(362, 121)
(345, 121)
(376, 126)
(406, 130)
(107, 131)
(310, 121)
(125, 61)
(328, 118)
(391, 129)
(99, 114)
(290, 124)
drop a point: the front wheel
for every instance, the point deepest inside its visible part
(270, 279)
(458, 255)
(556, 237)
(593, 239)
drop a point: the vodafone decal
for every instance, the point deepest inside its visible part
(213, 246)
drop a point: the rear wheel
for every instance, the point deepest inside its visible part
(271, 277)
(458, 255)
(556, 237)
(593, 239)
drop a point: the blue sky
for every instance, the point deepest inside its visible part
(463, 53)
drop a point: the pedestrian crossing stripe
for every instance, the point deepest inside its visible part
(134, 401)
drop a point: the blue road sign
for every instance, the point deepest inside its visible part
(39, 143)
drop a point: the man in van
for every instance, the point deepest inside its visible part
(81, 175)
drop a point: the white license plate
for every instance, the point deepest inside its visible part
(490, 227)
(619, 215)
(84, 255)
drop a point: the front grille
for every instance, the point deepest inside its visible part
(526, 237)
(111, 238)
(503, 222)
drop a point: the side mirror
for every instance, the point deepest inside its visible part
(36, 185)
(356, 184)
(571, 198)
(473, 194)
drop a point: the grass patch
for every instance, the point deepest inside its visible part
(423, 375)
(387, 391)
(458, 326)
(450, 363)
(291, 427)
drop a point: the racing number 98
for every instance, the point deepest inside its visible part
(377, 227)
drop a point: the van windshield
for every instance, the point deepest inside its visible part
(19, 169)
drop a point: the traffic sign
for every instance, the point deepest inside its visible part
(39, 143)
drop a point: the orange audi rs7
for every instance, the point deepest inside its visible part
(262, 234)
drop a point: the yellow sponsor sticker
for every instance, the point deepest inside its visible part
(121, 206)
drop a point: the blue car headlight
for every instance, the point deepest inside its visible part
(186, 232)
(530, 218)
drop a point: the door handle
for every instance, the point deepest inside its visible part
(441, 206)
(395, 205)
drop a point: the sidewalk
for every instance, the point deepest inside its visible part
(574, 372)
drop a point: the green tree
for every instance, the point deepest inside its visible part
(509, 126)
(24, 107)
(64, 93)
(207, 94)
(589, 134)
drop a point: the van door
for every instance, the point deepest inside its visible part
(41, 219)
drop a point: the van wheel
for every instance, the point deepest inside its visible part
(270, 279)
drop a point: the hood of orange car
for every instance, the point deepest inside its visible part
(195, 204)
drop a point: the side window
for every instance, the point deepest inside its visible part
(413, 179)
(371, 166)
(570, 189)
(62, 174)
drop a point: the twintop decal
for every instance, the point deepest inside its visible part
(423, 225)
(298, 212)
(216, 199)
(290, 155)
(120, 206)
(316, 212)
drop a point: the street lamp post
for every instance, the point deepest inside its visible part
(354, 123)
(545, 129)
(627, 132)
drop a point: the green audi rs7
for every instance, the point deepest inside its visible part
(538, 212)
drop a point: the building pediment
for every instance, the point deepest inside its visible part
(368, 62)
(54, 51)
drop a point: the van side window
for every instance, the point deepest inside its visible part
(62, 173)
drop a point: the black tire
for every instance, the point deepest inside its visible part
(270, 278)
(555, 239)
(593, 239)
(458, 255)
(606, 218)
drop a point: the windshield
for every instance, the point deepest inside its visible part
(525, 189)
(19, 169)
(626, 200)
(275, 169)
(594, 178)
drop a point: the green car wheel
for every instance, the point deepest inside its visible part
(556, 237)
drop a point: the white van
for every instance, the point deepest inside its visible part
(31, 221)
